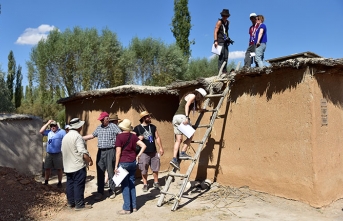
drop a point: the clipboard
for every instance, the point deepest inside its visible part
(216, 50)
(118, 178)
(187, 129)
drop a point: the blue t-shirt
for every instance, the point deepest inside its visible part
(54, 143)
(264, 36)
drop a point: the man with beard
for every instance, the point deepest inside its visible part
(147, 132)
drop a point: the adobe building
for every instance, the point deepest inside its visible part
(21, 143)
(279, 131)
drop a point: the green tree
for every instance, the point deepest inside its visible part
(18, 94)
(11, 74)
(6, 103)
(181, 26)
(150, 62)
(77, 60)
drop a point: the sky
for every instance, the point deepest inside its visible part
(293, 26)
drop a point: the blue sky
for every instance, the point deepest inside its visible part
(293, 26)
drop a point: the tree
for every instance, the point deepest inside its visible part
(6, 103)
(150, 62)
(18, 94)
(181, 26)
(11, 74)
(77, 60)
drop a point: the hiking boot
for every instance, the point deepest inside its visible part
(112, 194)
(157, 186)
(184, 156)
(84, 207)
(174, 163)
(98, 196)
(145, 188)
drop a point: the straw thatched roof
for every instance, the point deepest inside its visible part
(123, 90)
(7, 117)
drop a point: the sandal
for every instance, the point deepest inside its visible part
(123, 212)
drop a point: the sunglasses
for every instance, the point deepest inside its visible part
(53, 125)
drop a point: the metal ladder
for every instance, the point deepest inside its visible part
(186, 176)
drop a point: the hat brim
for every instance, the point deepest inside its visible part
(224, 14)
(77, 125)
(125, 128)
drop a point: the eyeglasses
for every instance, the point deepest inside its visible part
(53, 125)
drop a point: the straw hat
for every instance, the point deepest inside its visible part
(75, 123)
(125, 125)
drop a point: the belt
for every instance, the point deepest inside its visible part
(106, 148)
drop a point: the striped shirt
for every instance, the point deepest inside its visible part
(106, 135)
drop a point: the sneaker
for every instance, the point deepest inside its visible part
(70, 206)
(59, 185)
(175, 164)
(145, 188)
(184, 156)
(112, 194)
(98, 196)
(157, 186)
(106, 185)
(84, 207)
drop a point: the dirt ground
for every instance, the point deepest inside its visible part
(25, 198)
(218, 203)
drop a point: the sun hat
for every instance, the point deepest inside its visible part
(225, 12)
(75, 123)
(67, 127)
(201, 91)
(103, 115)
(114, 117)
(143, 114)
(125, 125)
(253, 15)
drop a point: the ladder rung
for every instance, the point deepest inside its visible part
(177, 174)
(200, 126)
(167, 193)
(214, 95)
(196, 141)
(213, 110)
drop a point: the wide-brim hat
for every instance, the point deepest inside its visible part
(103, 115)
(114, 117)
(125, 125)
(143, 114)
(201, 91)
(225, 12)
(76, 123)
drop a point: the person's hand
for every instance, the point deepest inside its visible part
(90, 162)
(161, 151)
(185, 122)
(258, 45)
(116, 171)
(215, 44)
(49, 122)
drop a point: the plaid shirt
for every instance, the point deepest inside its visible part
(106, 135)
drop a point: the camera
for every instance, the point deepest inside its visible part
(227, 39)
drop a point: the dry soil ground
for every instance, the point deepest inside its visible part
(23, 198)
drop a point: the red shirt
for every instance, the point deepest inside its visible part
(128, 155)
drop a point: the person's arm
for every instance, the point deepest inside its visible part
(118, 153)
(88, 137)
(44, 127)
(143, 147)
(216, 29)
(81, 148)
(191, 98)
(159, 142)
(260, 34)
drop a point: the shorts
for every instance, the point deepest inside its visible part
(147, 159)
(177, 120)
(53, 160)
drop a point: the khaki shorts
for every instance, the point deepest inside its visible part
(53, 160)
(147, 159)
(177, 120)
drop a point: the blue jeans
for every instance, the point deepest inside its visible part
(259, 54)
(128, 186)
(76, 182)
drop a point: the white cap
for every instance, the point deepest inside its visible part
(67, 127)
(253, 15)
(201, 91)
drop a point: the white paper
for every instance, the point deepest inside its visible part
(252, 54)
(186, 129)
(118, 178)
(216, 50)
